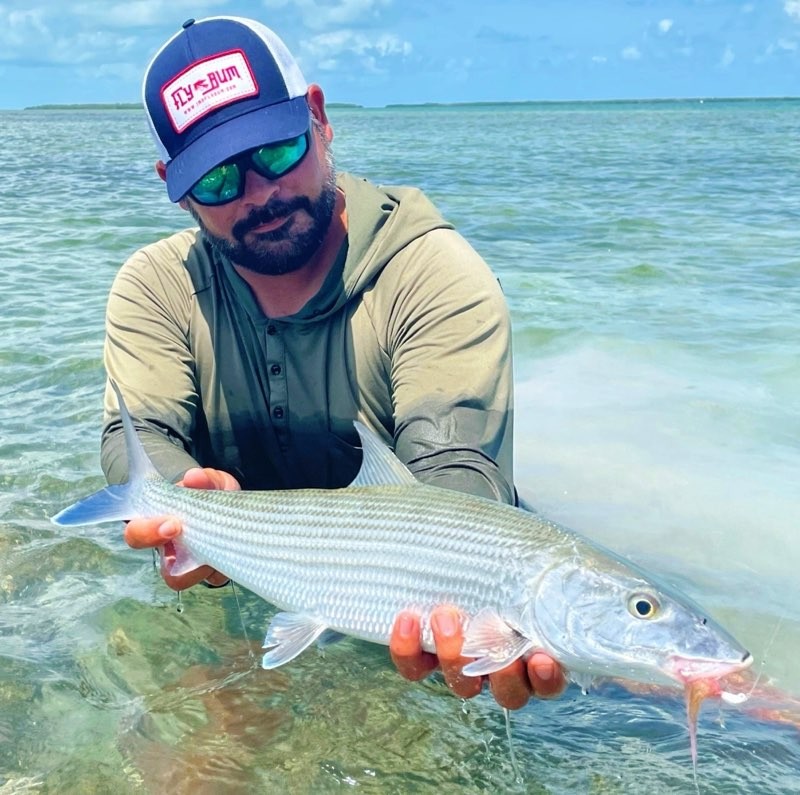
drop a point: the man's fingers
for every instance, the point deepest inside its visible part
(189, 579)
(546, 675)
(510, 686)
(147, 533)
(405, 648)
(449, 638)
(197, 478)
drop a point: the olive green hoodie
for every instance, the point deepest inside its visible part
(409, 333)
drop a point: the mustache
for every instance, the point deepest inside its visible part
(272, 211)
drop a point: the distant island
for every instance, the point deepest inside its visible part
(90, 106)
(138, 106)
(456, 105)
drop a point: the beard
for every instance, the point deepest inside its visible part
(282, 250)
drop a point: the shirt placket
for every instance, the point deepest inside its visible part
(275, 346)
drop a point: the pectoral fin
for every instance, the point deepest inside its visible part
(494, 642)
(289, 634)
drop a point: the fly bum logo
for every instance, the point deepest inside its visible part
(206, 86)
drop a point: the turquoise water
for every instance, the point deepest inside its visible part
(651, 258)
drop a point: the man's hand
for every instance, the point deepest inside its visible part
(539, 675)
(159, 531)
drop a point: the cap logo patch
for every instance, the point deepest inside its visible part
(206, 86)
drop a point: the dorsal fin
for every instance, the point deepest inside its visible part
(379, 466)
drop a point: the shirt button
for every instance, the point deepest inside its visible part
(275, 369)
(271, 330)
(277, 412)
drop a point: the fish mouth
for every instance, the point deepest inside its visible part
(688, 669)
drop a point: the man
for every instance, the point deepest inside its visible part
(247, 347)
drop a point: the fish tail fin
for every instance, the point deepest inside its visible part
(108, 504)
(113, 502)
(139, 464)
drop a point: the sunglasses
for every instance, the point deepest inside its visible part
(225, 182)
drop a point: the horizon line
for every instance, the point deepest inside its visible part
(394, 105)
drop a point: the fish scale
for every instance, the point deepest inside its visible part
(335, 548)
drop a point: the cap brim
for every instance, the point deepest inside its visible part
(263, 126)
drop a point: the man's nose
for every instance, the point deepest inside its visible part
(258, 190)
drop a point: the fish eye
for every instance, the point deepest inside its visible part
(643, 605)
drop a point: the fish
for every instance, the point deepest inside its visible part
(344, 562)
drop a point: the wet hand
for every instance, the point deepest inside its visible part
(158, 532)
(539, 675)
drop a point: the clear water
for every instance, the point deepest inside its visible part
(651, 257)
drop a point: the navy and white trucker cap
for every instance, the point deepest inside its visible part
(218, 87)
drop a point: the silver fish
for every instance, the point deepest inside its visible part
(346, 561)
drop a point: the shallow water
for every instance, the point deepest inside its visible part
(650, 257)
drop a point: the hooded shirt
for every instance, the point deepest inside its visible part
(409, 334)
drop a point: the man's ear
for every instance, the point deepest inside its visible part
(316, 101)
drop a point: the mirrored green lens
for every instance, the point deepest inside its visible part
(275, 160)
(225, 183)
(221, 184)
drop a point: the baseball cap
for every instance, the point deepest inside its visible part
(218, 87)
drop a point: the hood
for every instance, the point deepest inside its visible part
(382, 220)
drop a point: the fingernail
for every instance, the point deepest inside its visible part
(445, 624)
(169, 529)
(405, 626)
(544, 672)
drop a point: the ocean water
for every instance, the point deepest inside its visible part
(650, 253)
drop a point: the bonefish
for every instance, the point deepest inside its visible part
(346, 561)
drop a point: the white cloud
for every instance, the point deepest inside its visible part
(327, 49)
(631, 53)
(322, 16)
(778, 48)
(61, 34)
(144, 13)
(727, 57)
(792, 8)
(665, 25)
(599, 59)
(18, 29)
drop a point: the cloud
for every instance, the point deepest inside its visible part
(491, 34)
(599, 59)
(60, 34)
(324, 15)
(631, 53)
(142, 13)
(782, 45)
(792, 8)
(727, 57)
(327, 50)
(17, 28)
(665, 25)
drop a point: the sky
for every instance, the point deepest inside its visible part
(379, 52)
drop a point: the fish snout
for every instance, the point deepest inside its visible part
(686, 669)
